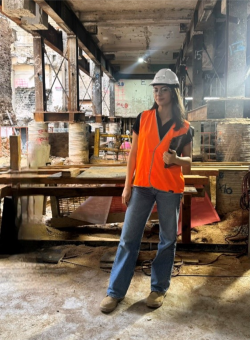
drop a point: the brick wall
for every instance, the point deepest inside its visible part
(25, 104)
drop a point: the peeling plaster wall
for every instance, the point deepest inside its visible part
(5, 73)
(132, 97)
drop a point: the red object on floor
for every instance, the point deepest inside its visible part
(202, 211)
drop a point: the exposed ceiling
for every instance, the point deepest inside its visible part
(116, 33)
(128, 30)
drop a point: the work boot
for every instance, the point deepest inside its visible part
(109, 304)
(155, 299)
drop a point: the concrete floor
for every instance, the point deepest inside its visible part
(61, 301)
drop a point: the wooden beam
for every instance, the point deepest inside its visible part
(39, 75)
(71, 172)
(5, 190)
(58, 179)
(20, 8)
(69, 22)
(67, 191)
(59, 116)
(15, 152)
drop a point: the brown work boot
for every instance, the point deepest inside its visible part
(109, 304)
(155, 299)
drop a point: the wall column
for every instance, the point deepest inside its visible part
(112, 98)
(96, 75)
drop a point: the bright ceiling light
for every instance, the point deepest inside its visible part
(141, 60)
(211, 98)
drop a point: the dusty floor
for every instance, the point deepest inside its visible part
(208, 300)
(61, 301)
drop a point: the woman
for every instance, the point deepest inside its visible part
(161, 146)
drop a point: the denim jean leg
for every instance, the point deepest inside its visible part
(138, 211)
(168, 205)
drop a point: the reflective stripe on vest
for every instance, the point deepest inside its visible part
(150, 170)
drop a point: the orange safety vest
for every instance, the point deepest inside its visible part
(150, 170)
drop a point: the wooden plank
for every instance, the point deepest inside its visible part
(68, 191)
(5, 190)
(45, 171)
(71, 172)
(77, 191)
(21, 8)
(81, 166)
(56, 179)
(196, 180)
(190, 190)
(194, 165)
(219, 163)
(104, 172)
(204, 172)
(15, 152)
(218, 167)
(42, 179)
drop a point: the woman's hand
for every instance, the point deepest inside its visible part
(126, 194)
(169, 157)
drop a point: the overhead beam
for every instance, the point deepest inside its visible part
(137, 23)
(157, 16)
(69, 22)
(199, 22)
(52, 38)
(134, 76)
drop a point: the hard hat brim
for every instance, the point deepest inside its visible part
(170, 85)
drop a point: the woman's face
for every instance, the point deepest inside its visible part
(162, 95)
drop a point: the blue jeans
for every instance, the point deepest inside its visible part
(138, 211)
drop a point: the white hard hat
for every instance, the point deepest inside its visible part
(165, 77)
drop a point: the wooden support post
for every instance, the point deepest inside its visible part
(9, 230)
(15, 152)
(186, 219)
(97, 142)
(39, 75)
(54, 206)
(73, 104)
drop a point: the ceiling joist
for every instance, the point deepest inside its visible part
(69, 22)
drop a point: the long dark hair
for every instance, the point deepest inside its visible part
(177, 108)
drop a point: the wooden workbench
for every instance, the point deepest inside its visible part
(94, 175)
